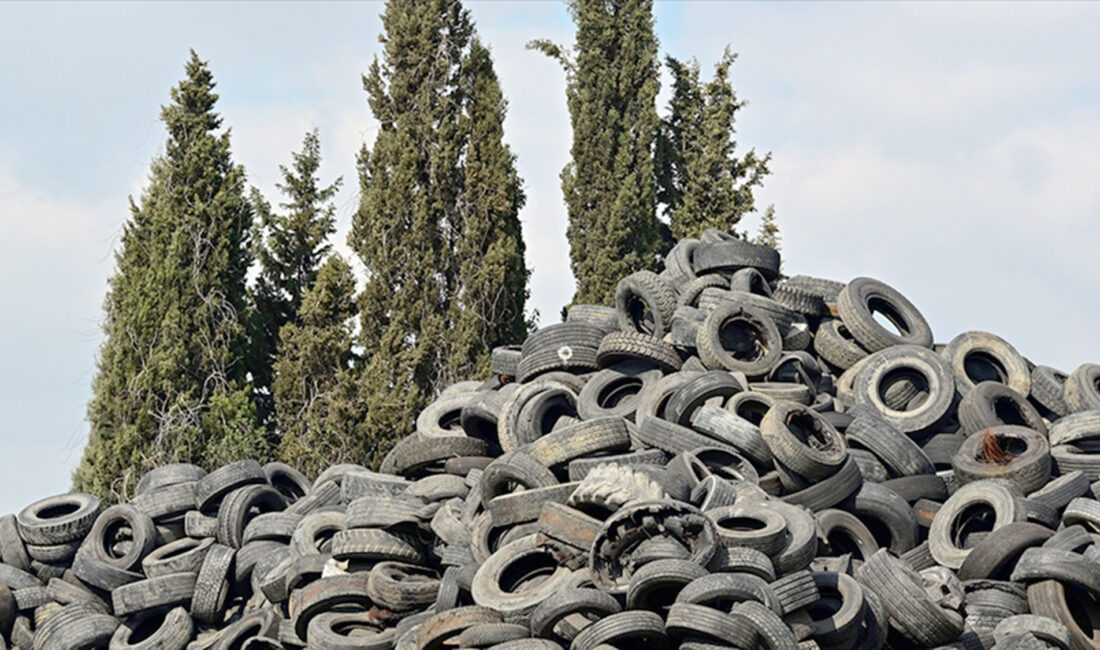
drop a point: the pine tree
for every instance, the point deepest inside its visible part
(317, 405)
(703, 183)
(490, 275)
(290, 248)
(171, 380)
(408, 221)
(768, 234)
(609, 185)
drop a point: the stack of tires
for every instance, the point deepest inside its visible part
(724, 459)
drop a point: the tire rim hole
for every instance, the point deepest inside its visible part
(901, 382)
(826, 606)
(451, 420)
(753, 410)
(1084, 609)
(115, 537)
(841, 541)
(554, 409)
(288, 488)
(982, 366)
(999, 449)
(618, 392)
(1009, 411)
(743, 339)
(641, 316)
(879, 530)
(145, 629)
(742, 524)
(59, 510)
(810, 432)
(888, 317)
(975, 518)
(527, 572)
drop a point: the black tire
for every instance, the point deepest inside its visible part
(328, 594)
(842, 532)
(969, 504)
(679, 261)
(239, 506)
(58, 519)
(1082, 392)
(912, 613)
(1048, 387)
(709, 387)
(181, 556)
(415, 453)
(163, 591)
(656, 585)
(863, 297)
(532, 410)
(903, 457)
(212, 584)
(887, 515)
(154, 631)
(906, 363)
(581, 439)
(644, 303)
(1061, 491)
(735, 431)
(799, 299)
(920, 486)
(977, 357)
(401, 587)
(580, 467)
(602, 317)
(1006, 452)
(551, 612)
(795, 591)
(689, 293)
(615, 391)
(995, 556)
(992, 404)
(750, 281)
(214, 486)
(739, 339)
(514, 469)
(290, 483)
(505, 360)
(803, 440)
(517, 577)
(168, 475)
(617, 347)
(735, 254)
(831, 491)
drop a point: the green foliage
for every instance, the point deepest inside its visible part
(315, 387)
(768, 234)
(609, 186)
(289, 248)
(171, 377)
(703, 183)
(437, 187)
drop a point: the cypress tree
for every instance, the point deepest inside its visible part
(609, 186)
(171, 380)
(703, 183)
(289, 247)
(317, 406)
(490, 286)
(407, 221)
(768, 233)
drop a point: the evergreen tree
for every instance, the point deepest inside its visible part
(490, 287)
(609, 185)
(439, 189)
(703, 183)
(289, 247)
(171, 380)
(316, 400)
(768, 234)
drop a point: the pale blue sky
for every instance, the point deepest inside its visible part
(948, 149)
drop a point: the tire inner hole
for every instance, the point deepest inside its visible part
(554, 409)
(810, 431)
(641, 316)
(999, 449)
(887, 316)
(527, 572)
(743, 338)
(982, 366)
(1009, 411)
(617, 392)
(975, 518)
(451, 420)
(904, 381)
(879, 530)
(114, 537)
(742, 524)
(1085, 610)
(59, 510)
(826, 606)
(146, 627)
(753, 410)
(842, 541)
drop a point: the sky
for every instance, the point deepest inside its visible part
(951, 150)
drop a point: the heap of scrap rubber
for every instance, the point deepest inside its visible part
(723, 459)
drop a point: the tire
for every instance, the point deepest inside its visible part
(602, 317)
(289, 482)
(617, 347)
(504, 360)
(348, 631)
(903, 457)
(904, 363)
(1061, 491)
(151, 593)
(557, 607)
(977, 357)
(181, 556)
(1082, 392)
(644, 304)
(581, 439)
(717, 590)
(798, 299)
(679, 261)
(531, 411)
(581, 467)
(750, 526)
(689, 292)
(842, 532)
(730, 429)
(739, 339)
(995, 556)
(239, 506)
(168, 475)
(12, 550)
(1075, 428)
(525, 505)
(609, 487)
(1071, 569)
(830, 491)
(656, 585)
(803, 440)
(373, 544)
(920, 486)
(58, 520)
(991, 404)
(1028, 457)
(750, 281)
(912, 613)
(214, 486)
(415, 453)
(327, 594)
(615, 391)
(172, 631)
(1047, 630)
(1049, 598)
(862, 297)
(944, 535)
(892, 517)
(688, 621)
(735, 254)
(212, 584)
(399, 586)
(499, 582)
(1048, 387)
(709, 387)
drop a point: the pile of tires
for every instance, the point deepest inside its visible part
(725, 459)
